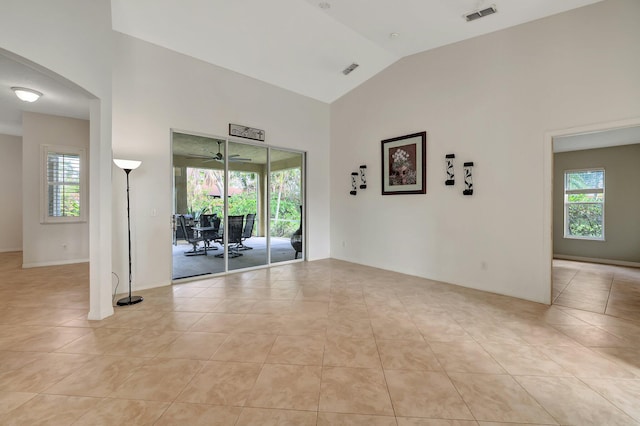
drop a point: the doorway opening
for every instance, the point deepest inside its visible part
(595, 233)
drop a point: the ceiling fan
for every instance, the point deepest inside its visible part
(220, 157)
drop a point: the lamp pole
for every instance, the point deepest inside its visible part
(127, 166)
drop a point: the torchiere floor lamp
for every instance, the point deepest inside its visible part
(127, 166)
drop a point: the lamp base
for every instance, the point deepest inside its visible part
(129, 300)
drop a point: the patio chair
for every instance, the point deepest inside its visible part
(209, 236)
(235, 236)
(247, 231)
(192, 239)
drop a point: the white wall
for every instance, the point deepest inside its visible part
(490, 100)
(52, 243)
(155, 90)
(11, 193)
(72, 38)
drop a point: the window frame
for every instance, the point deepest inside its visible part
(566, 203)
(44, 188)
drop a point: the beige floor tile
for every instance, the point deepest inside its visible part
(123, 412)
(337, 419)
(627, 358)
(409, 421)
(292, 387)
(354, 390)
(12, 400)
(243, 347)
(583, 362)
(158, 379)
(509, 424)
(468, 357)
(39, 375)
(425, 394)
(347, 327)
(308, 303)
(445, 331)
(97, 378)
(180, 413)
(572, 402)
(395, 329)
(499, 398)
(624, 394)
(218, 323)
(540, 334)
(524, 360)
(259, 324)
(592, 336)
(145, 344)
(279, 307)
(301, 325)
(198, 304)
(271, 417)
(350, 352)
(300, 350)
(194, 345)
(234, 306)
(13, 360)
(221, 383)
(99, 341)
(49, 339)
(407, 355)
(49, 410)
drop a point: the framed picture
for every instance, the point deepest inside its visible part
(404, 164)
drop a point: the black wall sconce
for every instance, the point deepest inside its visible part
(363, 177)
(449, 168)
(354, 176)
(468, 179)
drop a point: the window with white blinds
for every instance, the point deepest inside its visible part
(63, 184)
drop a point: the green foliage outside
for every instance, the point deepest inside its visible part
(585, 220)
(285, 202)
(285, 196)
(65, 201)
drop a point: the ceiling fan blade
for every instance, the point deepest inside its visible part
(239, 159)
(198, 156)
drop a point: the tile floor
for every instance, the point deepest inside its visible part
(314, 343)
(614, 290)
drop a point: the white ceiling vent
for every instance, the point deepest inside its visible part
(350, 68)
(480, 13)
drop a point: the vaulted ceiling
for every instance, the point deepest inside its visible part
(298, 45)
(303, 45)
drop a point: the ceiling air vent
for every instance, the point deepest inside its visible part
(350, 68)
(480, 13)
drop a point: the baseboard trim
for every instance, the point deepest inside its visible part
(596, 260)
(54, 263)
(7, 250)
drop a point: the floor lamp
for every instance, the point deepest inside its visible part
(127, 166)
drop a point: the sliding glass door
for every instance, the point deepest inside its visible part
(246, 201)
(286, 227)
(237, 205)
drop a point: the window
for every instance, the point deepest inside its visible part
(584, 204)
(63, 184)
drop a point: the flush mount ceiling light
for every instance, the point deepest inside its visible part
(481, 13)
(27, 95)
(393, 35)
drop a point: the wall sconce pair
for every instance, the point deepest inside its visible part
(354, 180)
(467, 172)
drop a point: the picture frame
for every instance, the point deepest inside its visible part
(404, 164)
